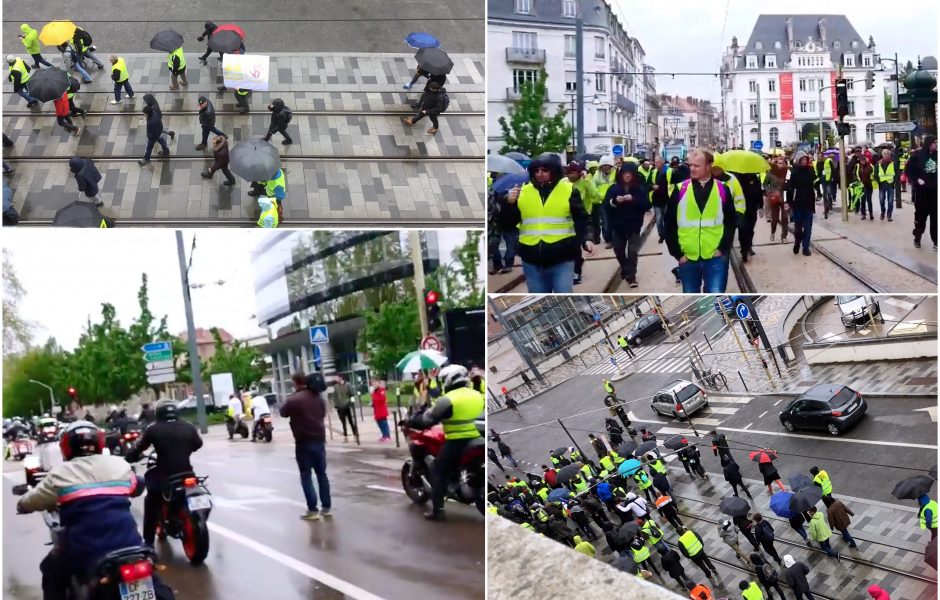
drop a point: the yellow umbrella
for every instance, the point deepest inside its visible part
(57, 32)
(632, 159)
(777, 152)
(742, 161)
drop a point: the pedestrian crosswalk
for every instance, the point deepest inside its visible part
(664, 358)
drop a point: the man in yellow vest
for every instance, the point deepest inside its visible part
(275, 188)
(19, 75)
(604, 177)
(590, 198)
(884, 175)
(553, 227)
(121, 78)
(927, 514)
(750, 590)
(457, 410)
(625, 345)
(821, 479)
(692, 547)
(828, 183)
(700, 221)
(176, 62)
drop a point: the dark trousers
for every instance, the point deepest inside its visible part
(649, 566)
(76, 110)
(629, 351)
(445, 465)
(579, 263)
(311, 455)
(704, 563)
(605, 222)
(205, 133)
(151, 142)
(627, 249)
(495, 460)
(153, 504)
(802, 595)
(746, 224)
(925, 207)
(749, 534)
(673, 518)
(420, 116)
(242, 102)
(768, 547)
(282, 131)
(773, 586)
(346, 414)
(40, 60)
(734, 487)
(207, 53)
(228, 174)
(66, 122)
(866, 201)
(126, 86)
(596, 223)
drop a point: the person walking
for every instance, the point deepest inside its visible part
(155, 129)
(767, 575)
(691, 458)
(732, 472)
(668, 510)
(627, 201)
(625, 346)
(794, 575)
(433, 102)
(176, 62)
(589, 198)
(121, 78)
(747, 221)
(700, 222)
(210, 28)
(380, 410)
(642, 556)
(750, 590)
(838, 515)
(207, 122)
(343, 402)
(87, 177)
(884, 177)
(276, 188)
(699, 591)
(506, 452)
(19, 75)
(72, 61)
(796, 524)
(672, 564)
(62, 114)
(775, 208)
(692, 547)
(220, 160)
(30, 39)
(819, 532)
(419, 72)
(801, 197)
(769, 471)
(927, 514)
(82, 42)
(659, 194)
(720, 445)
(746, 527)
(764, 534)
(505, 227)
(822, 481)
(306, 411)
(614, 432)
(922, 173)
(600, 448)
(604, 178)
(553, 228)
(828, 178)
(730, 536)
(281, 115)
(489, 452)
(864, 174)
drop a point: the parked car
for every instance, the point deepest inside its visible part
(830, 407)
(858, 310)
(679, 399)
(644, 328)
(190, 403)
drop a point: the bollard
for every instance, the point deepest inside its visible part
(710, 349)
(742, 382)
(395, 423)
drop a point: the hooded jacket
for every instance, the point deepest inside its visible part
(672, 563)
(550, 254)
(923, 165)
(210, 29)
(432, 102)
(795, 574)
(627, 217)
(219, 154)
(86, 175)
(278, 116)
(732, 473)
(728, 534)
(818, 530)
(583, 547)
(800, 189)
(30, 39)
(878, 593)
(207, 115)
(154, 117)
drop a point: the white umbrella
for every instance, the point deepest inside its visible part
(420, 360)
(497, 163)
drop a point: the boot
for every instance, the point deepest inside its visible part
(434, 514)
(200, 147)
(407, 121)
(287, 141)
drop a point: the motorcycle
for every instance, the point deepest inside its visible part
(47, 434)
(236, 426)
(119, 443)
(466, 486)
(263, 429)
(184, 513)
(21, 447)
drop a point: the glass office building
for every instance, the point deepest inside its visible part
(309, 278)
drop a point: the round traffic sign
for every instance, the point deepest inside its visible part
(431, 343)
(617, 150)
(757, 145)
(742, 311)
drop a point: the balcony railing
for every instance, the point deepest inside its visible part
(529, 56)
(515, 94)
(625, 103)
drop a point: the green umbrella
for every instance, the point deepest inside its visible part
(420, 360)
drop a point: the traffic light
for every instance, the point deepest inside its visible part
(72, 393)
(842, 98)
(869, 80)
(432, 309)
(843, 129)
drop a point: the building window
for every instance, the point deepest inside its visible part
(869, 108)
(599, 83)
(778, 45)
(811, 84)
(774, 136)
(773, 110)
(602, 119)
(849, 60)
(754, 134)
(853, 134)
(850, 84)
(525, 40)
(812, 106)
(599, 46)
(802, 85)
(752, 111)
(569, 46)
(837, 45)
(571, 81)
(758, 45)
(523, 76)
(772, 85)
(523, 7)
(866, 60)
(798, 44)
(803, 106)
(752, 86)
(770, 61)
(870, 132)
(851, 108)
(569, 8)
(855, 43)
(820, 80)
(751, 61)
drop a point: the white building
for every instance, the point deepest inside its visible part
(690, 121)
(524, 36)
(771, 85)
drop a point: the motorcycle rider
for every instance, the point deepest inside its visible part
(174, 441)
(147, 415)
(233, 415)
(259, 409)
(456, 409)
(91, 492)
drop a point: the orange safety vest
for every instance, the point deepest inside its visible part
(696, 593)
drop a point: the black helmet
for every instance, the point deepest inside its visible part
(166, 411)
(81, 438)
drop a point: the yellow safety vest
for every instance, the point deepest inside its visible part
(588, 473)
(607, 463)
(737, 192)
(271, 212)
(827, 169)
(528, 526)
(20, 66)
(886, 175)
(658, 466)
(902, 162)
(273, 183)
(178, 52)
(242, 92)
(822, 478)
(640, 554)
(542, 493)
(643, 480)
(603, 183)
(467, 405)
(648, 528)
(608, 387)
(763, 177)
(699, 232)
(547, 222)
(622, 342)
(121, 67)
(541, 515)
(579, 484)
(691, 543)
(932, 505)
(617, 458)
(752, 592)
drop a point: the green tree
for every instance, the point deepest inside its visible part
(530, 129)
(389, 333)
(16, 329)
(888, 103)
(458, 281)
(244, 362)
(46, 364)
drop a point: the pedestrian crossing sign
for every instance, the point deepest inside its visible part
(319, 334)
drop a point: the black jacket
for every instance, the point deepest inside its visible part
(207, 115)
(154, 117)
(672, 562)
(800, 191)
(660, 196)
(174, 442)
(210, 29)
(733, 473)
(86, 175)
(701, 196)
(278, 116)
(795, 577)
(505, 215)
(432, 102)
(917, 166)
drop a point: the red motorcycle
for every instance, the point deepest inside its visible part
(465, 486)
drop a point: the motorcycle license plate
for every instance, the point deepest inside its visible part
(199, 502)
(142, 589)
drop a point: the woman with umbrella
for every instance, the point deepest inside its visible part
(764, 459)
(434, 64)
(210, 29)
(433, 102)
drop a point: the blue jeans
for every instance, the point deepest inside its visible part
(150, 144)
(126, 85)
(847, 537)
(312, 455)
(866, 201)
(511, 238)
(707, 276)
(86, 54)
(886, 194)
(802, 226)
(86, 78)
(825, 545)
(557, 279)
(660, 223)
(22, 92)
(383, 427)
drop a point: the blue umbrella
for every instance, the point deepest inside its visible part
(780, 504)
(507, 182)
(629, 467)
(518, 156)
(420, 39)
(559, 495)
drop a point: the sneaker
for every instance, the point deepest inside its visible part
(326, 512)
(407, 121)
(796, 246)
(76, 131)
(783, 239)
(432, 130)
(131, 96)
(143, 161)
(838, 556)
(99, 202)
(434, 514)
(773, 237)
(206, 174)
(200, 146)
(174, 88)
(504, 270)
(407, 86)
(806, 252)
(311, 515)
(121, 101)
(287, 142)
(633, 283)
(890, 219)
(577, 279)
(227, 182)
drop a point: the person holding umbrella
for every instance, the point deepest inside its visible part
(19, 75)
(764, 459)
(210, 29)
(121, 78)
(434, 64)
(433, 102)
(82, 41)
(62, 114)
(30, 39)
(176, 62)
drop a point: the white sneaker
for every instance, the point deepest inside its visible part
(121, 101)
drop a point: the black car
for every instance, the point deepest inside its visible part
(826, 406)
(645, 328)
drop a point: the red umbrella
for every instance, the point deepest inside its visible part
(763, 455)
(231, 27)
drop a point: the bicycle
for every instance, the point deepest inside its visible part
(715, 380)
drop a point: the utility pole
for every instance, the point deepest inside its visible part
(191, 335)
(414, 239)
(516, 342)
(579, 81)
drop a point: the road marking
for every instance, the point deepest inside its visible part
(290, 562)
(748, 426)
(834, 439)
(761, 416)
(728, 400)
(778, 402)
(712, 410)
(930, 410)
(902, 304)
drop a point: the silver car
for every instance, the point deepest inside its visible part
(679, 399)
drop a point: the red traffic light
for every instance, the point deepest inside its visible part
(431, 297)
(72, 392)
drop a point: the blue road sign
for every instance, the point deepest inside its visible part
(597, 316)
(319, 334)
(156, 347)
(617, 150)
(758, 145)
(316, 354)
(742, 311)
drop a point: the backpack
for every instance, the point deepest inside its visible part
(445, 101)
(84, 37)
(288, 115)
(769, 573)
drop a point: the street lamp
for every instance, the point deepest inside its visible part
(51, 396)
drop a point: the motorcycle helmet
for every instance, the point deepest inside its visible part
(453, 376)
(81, 438)
(166, 411)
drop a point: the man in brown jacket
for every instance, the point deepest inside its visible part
(219, 160)
(306, 410)
(838, 514)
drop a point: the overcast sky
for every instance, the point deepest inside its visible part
(68, 274)
(686, 35)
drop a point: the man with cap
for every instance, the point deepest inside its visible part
(207, 122)
(589, 197)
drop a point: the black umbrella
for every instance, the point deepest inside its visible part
(254, 160)
(933, 472)
(568, 472)
(799, 481)
(79, 214)
(434, 60)
(676, 442)
(628, 531)
(734, 506)
(626, 448)
(167, 41)
(225, 41)
(561, 451)
(48, 84)
(913, 488)
(645, 447)
(805, 499)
